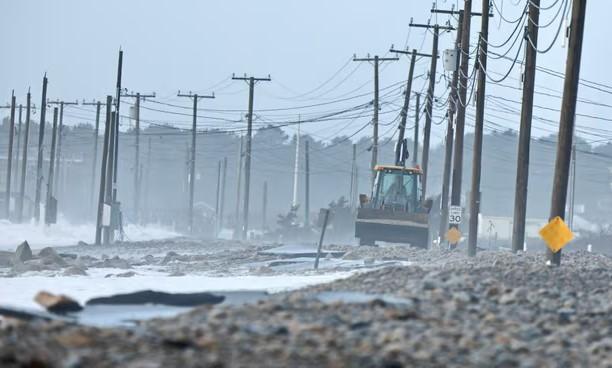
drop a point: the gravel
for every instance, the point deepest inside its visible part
(443, 310)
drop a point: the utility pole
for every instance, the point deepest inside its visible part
(222, 204)
(103, 169)
(448, 155)
(247, 162)
(138, 97)
(238, 187)
(572, 191)
(415, 149)
(353, 183)
(522, 167)
(568, 117)
(24, 160)
(195, 98)
(264, 207)
(376, 60)
(116, 217)
(16, 154)
(41, 138)
(461, 107)
(51, 202)
(218, 199)
(307, 184)
(9, 158)
(108, 234)
(59, 140)
(95, 148)
(147, 200)
(430, 97)
(296, 167)
(404, 111)
(478, 132)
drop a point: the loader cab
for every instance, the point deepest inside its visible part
(397, 188)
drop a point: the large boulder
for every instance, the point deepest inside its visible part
(75, 271)
(49, 256)
(23, 252)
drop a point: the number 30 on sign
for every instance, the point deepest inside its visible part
(454, 215)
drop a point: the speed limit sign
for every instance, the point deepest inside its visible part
(454, 215)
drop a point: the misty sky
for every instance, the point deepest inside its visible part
(196, 45)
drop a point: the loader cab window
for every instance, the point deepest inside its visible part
(396, 190)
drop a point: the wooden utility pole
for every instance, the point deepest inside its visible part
(222, 200)
(50, 203)
(116, 217)
(376, 61)
(478, 132)
(103, 169)
(147, 199)
(58, 156)
(16, 151)
(192, 160)
(238, 188)
(461, 107)
(415, 148)
(307, 183)
(218, 199)
(399, 146)
(430, 98)
(41, 139)
(108, 234)
(247, 162)
(9, 160)
(522, 167)
(136, 196)
(448, 155)
(568, 117)
(264, 207)
(353, 184)
(94, 161)
(24, 160)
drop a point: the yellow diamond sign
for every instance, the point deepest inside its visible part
(453, 235)
(556, 234)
